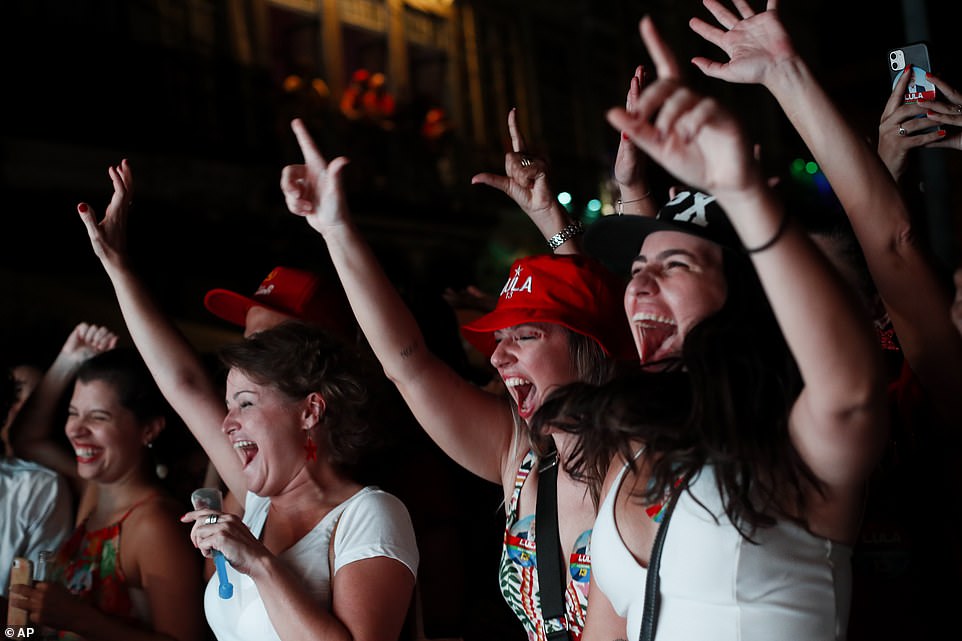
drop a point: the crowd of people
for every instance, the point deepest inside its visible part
(705, 416)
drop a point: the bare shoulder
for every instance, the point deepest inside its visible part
(155, 543)
(156, 522)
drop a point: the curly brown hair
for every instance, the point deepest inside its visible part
(298, 359)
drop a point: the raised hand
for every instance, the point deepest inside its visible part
(88, 340)
(690, 135)
(898, 120)
(946, 111)
(756, 43)
(631, 163)
(526, 180)
(109, 237)
(314, 190)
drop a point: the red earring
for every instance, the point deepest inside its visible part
(310, 450)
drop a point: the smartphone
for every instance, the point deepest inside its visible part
(21, 573)
(919, 88)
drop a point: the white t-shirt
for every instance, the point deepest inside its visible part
(36, 513)
(371, 523)
(792, 586)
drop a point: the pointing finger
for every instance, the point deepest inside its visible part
(311, 155)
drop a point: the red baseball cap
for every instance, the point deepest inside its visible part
(298, 293)
(574, 291)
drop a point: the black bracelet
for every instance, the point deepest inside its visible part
(782, 226)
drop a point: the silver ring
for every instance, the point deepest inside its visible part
(211, 519)
(525, 161)
(902, 131)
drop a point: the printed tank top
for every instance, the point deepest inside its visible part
(519, 569)
(88, 565)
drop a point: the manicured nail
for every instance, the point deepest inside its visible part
(624, 136)
(82, 208)
(941, 132)
(929, 112)
(928, 75)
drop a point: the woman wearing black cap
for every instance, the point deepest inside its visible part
(757, 420)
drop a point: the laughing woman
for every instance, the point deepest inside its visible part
(556, 321)
(128, 571)
(315, 553)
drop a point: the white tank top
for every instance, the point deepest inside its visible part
(792, 586)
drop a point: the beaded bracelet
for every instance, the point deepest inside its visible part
(782, 226)
(566, 234)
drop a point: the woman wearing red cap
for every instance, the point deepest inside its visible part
(739, 455)
(557, 320)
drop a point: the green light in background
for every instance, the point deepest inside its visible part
(564, 198)
(594, 205)
(811, 167)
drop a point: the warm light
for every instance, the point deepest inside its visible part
(293, 83)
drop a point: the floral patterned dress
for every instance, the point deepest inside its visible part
(88, 565)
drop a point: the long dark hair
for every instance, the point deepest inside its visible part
(593, 367)
(723, 401)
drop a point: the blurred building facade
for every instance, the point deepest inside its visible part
(199, 95)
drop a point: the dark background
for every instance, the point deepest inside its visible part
(87, 83)
(160, 82)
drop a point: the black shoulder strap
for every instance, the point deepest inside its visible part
(649, 617)
(548, 552)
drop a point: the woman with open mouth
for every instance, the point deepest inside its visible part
(557, 320)
(113, 577)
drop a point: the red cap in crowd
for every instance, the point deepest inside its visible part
(298, 293)
(573, 291)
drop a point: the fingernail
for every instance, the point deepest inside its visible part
(928, 75)
(624, 136)
(82, 208)
(929, 112)
(941, 132)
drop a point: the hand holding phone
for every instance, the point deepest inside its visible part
(915, 58)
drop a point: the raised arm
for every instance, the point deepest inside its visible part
(526, 182)
(33, 432)
(472, 426)
(635, 195)
(837, 423)
(175, 365)
(916, 298)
